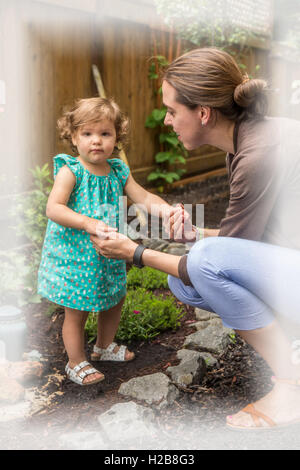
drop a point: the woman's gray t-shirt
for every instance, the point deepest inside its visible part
(264, 179)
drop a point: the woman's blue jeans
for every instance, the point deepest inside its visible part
(245, 282)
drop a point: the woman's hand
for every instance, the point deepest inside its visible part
(116, 246)
(97, 227)
(179, 225)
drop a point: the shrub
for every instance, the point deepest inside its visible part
(30, 208)
(144, 316)
(13, 275)
(148, 278)
(29, 212)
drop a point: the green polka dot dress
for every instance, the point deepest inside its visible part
(71, 273)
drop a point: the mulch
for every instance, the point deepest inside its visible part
(239, 377)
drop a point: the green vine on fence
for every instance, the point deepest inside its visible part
(171, 151)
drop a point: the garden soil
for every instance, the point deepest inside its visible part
(239, 377)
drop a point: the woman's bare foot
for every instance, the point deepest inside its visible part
(128, 354)
(281, 405)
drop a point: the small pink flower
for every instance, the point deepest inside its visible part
(136, 312)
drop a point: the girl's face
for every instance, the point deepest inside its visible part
(185, 122)
(95, 141)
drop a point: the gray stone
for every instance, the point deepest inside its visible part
(217, 321)
(210, 360)
(147, 242)
(188, 372)
(177, 245)
(187, 354)
(85, 440)
(214, 338)
(176, 249)
(200, 325)
(162, 246)
(154, 389)
(159, 244)
(202, 315)
(33, 355)
(128, 422)
(155, 244)
(10, 390)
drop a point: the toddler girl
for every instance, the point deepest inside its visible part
(85, 199)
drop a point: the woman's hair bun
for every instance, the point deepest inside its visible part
(251, 94)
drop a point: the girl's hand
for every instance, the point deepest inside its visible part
(97, 227)
(179, 225)
(103, 230)
(116, 246)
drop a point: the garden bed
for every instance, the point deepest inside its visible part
(239, 377)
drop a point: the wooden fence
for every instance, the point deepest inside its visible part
(57, 52)
(47, 49)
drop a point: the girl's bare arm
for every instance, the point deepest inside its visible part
(119, 246)
(154, 204)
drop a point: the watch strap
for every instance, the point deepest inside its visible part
(137, 256)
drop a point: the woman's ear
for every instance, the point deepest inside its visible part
(204, 114)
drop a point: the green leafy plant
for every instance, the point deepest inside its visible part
(30, 207)
(171, 151)
(207, 22)
(148, 278)
(232, 337)
(13, 279)
(210, 23)
(144, 316)
(29, 210)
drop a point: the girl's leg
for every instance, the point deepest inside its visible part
(244, 282)
(73, 337)
(108, 322)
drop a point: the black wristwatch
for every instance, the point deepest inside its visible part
(137, 256)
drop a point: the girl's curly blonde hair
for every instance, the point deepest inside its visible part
(91, 110)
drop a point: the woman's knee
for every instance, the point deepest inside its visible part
(183, 293)
(208, 251)
(174, 285)
(208, 246)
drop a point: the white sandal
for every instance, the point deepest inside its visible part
(77, 375)
(108, 354)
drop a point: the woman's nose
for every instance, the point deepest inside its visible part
(167, 120)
